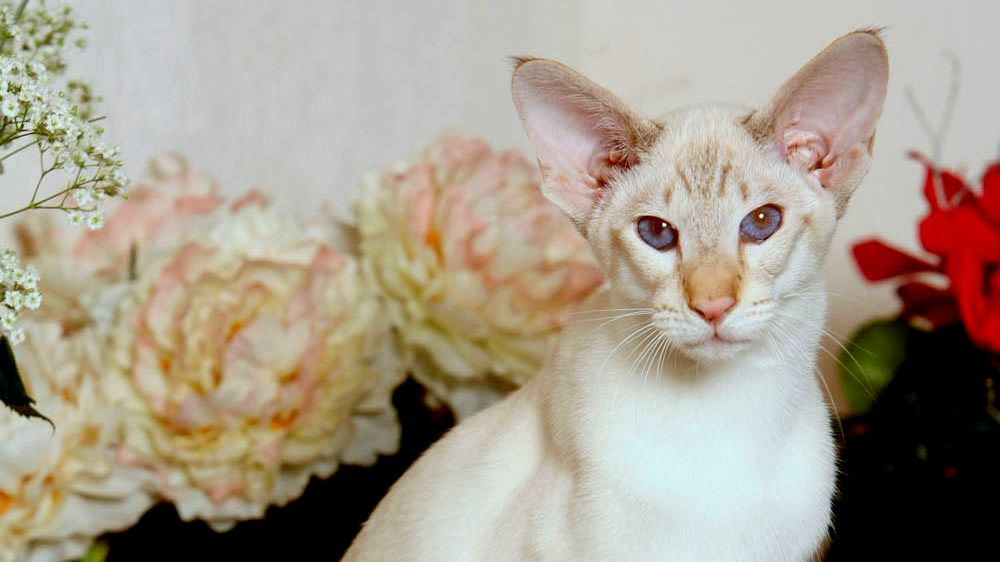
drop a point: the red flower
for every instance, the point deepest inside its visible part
(878, 261)
(990, 200)
(963, 231)
(934, 305)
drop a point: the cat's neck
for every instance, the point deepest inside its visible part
(607, 377)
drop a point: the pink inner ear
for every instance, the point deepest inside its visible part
(828, 117)
(565, 156)
(561, 139)
(573, 124)
(832, 105)
(565, 140)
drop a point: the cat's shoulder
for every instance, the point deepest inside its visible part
(476, 467)
(498, 439)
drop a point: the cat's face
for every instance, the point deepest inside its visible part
(711, 232)
(712, 217)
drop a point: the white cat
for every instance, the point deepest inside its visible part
(688, 425)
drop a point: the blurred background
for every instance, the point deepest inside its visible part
(302, 98)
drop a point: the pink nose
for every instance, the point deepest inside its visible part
(714, 308)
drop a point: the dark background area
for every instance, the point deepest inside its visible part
(920, 472)
(919, 477)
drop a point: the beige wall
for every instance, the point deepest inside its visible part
(301, 97)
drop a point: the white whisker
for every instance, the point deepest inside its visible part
(642, 329)
(647, 345)
(833, 405)
(592, 310)
(599, 318)
(866, 384)
(793, 345)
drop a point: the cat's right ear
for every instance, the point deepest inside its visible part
(582, 134)
(822, 121)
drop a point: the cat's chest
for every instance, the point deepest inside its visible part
(696, 465)
(707, 503)
(718, 479)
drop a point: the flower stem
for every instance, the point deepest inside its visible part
(17, 18)
(937, 134)
(29, 145)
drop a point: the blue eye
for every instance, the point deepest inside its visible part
(657, 232)
(760, 223)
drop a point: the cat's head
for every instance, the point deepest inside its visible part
(712, 217)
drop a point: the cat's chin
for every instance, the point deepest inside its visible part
(715, 349)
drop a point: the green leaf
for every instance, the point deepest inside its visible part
(12, 392)
(98, 553)
(869, 361)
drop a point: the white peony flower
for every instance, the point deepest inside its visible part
(60, 489)
(241, 361)
(479, 270)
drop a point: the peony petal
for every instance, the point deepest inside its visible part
(61, 489)
(254, 197)
(482, 275)
(227, 420)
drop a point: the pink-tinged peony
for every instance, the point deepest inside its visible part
(60, 489)
(156, 213)
(46, 242)
(241, 358)
(478, 269)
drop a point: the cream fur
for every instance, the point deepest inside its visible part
(650, 434)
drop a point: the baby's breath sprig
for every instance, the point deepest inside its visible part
(42, 33)
(81, 96)
(33, 114)
(58, 125)
(18, 290)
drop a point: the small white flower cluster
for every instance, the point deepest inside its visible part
(18, 290)
(32, 108)
(37, 114)
(43, 33)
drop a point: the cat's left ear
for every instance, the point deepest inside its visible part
(823, 119)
